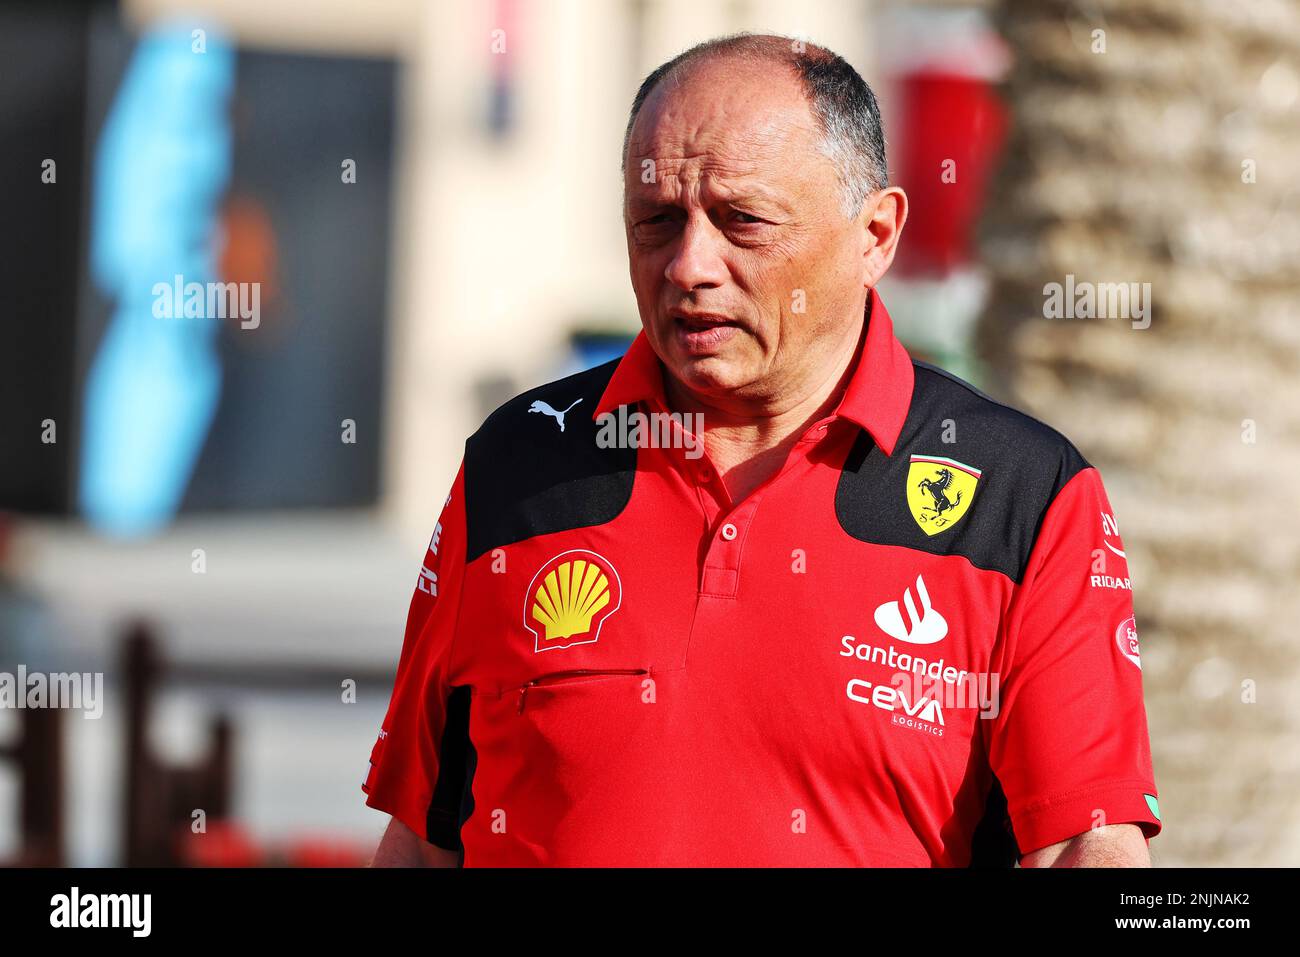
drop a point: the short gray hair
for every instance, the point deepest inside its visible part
(844, 105)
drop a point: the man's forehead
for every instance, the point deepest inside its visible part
(729, 118)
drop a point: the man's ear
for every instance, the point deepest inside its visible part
(883, 216)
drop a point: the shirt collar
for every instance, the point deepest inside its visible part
(877, 397)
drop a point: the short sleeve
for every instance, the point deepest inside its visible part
(1069, 742)
(417, 765)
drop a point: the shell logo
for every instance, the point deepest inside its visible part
(570, 598)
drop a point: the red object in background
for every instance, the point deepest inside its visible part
(224, 844)
(228, 844)
(250, 254)
(946, 116)
(505, 18)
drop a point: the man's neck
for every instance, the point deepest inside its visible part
(749, 444)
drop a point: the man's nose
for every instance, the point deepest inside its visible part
(698, 261)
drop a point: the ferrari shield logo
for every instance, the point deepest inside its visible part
(939, 491)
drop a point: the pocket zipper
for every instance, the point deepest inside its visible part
(576, 673)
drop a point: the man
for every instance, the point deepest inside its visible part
(871, 606)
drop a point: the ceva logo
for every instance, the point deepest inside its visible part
(892, 699)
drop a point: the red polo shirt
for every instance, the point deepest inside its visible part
(915, 641)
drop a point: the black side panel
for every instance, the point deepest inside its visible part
(1024, 464)
(525, 477)
(994, 842)
(456, 760)
(467, 794)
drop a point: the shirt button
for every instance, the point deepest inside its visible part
(729, 532)
(706, 475)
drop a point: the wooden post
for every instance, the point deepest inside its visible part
(144, 834)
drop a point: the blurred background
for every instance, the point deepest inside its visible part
(418, 206)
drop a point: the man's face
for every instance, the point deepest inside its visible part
(748, 276)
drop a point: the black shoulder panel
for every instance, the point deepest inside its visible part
(1023, 465)
(524, 476)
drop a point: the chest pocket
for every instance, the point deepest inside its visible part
(547, 686)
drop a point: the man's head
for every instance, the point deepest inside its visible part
(758, 215)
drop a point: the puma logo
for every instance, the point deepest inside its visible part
(546, 409)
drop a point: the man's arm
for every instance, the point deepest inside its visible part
(402, 847)
(1069, 742)
(407, 760)
(1114, 845)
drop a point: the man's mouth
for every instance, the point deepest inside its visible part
(700, 321)
(700, 333)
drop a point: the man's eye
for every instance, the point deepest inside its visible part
(658, 221)
(746, 219)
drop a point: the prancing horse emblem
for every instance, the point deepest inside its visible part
(939, 491)
(546, 409)
(937, 488)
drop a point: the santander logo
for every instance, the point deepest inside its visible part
(921, 628)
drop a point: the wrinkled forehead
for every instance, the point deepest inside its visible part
(724, 118)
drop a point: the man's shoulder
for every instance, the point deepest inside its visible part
(578, 393)
(969, 476)
(960, 416)
(535, 467)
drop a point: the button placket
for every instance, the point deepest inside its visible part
(721, 578)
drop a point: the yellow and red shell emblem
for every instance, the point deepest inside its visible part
(569, 599)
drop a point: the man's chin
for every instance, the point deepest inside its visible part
(711, 374)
